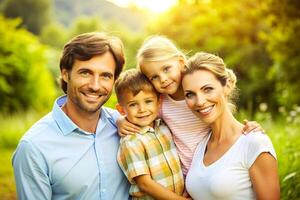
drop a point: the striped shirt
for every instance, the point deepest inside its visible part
(152, 152)
(187, 129)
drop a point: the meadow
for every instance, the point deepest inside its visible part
(283, 131)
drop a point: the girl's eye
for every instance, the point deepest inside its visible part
(166, 69)
(153, 78)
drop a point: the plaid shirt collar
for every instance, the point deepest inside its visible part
(149, 129)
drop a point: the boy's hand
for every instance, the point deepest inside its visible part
(251, 126)
(125, 127)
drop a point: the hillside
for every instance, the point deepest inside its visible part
(67, 10)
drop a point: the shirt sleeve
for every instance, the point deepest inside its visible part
(30, 172)
(131, 158)
(258, 143)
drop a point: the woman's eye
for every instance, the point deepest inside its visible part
(208, 89)
(188, 95)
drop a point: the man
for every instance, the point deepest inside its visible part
(71, 152)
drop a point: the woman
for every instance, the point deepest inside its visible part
(227, 164)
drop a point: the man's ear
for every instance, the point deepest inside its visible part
(120, 109)
(65, 75)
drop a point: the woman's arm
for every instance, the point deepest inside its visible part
(264, 177)
(147, 185)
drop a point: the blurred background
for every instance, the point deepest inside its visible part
(259, 40)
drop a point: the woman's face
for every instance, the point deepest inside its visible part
(205, 95)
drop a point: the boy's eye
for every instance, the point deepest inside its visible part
(148, 101)
(132, 105)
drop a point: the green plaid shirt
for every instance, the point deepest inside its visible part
(152, 152)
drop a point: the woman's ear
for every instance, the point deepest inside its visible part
(120, 109)
(228, 88)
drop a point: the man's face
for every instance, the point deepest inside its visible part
(90, 82)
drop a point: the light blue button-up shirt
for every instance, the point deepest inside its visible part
(57, 160)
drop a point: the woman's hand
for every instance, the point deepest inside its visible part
(125, 127)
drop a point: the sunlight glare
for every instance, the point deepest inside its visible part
(157, 6)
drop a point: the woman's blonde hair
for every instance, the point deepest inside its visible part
(216, 65)
(157, 48)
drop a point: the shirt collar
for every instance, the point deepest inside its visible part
(147, 129)
(66, 125)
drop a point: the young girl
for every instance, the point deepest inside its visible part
(162, 62)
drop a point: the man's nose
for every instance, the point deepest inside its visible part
(95, 83)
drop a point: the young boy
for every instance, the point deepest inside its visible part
(148, 159)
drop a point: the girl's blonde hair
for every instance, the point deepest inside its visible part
(157, 48)
(215, 65)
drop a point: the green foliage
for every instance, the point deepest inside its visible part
(259, 40)
(34, 13)
(24, 80)
(283, 39)
(54, 35)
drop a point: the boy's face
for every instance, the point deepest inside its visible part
(141, 109)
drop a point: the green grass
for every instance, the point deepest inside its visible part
(283, 131)
(7, 182)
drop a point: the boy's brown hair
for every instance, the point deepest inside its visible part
(133, 81)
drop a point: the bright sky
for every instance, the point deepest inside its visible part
(156, 6)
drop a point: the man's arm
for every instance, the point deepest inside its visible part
(30, 172)
(147, 185)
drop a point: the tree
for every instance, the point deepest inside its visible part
(25, 82)
(34, 13)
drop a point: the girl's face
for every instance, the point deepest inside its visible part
(205, 95)
(164, 75)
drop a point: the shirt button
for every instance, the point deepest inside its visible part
(103, 190)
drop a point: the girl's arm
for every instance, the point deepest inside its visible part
(125, 127)
(252, 126)
(147, 185)
(264, 177)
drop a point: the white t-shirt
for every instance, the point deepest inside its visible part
(228, 177)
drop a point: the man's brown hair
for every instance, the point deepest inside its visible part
(85, 46)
